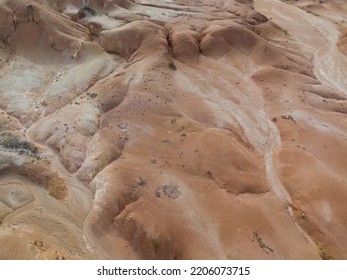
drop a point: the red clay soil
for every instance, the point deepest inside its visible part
(173, 129)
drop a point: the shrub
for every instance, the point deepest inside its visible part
(89, 10)
(57, 187)
(155, 242)
(19, 146)
(172, 65)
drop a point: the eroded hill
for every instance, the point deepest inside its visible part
(173, 129)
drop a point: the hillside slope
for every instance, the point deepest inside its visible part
(173, 129)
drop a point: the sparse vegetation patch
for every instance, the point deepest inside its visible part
(141, 182)
(155, 242)
(57, 187)
(323, 253)
(11, 143)
(89, 10)
(172, 65)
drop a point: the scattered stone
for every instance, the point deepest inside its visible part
(79, 15)
(261, 243)
(288, 117)
(123, 125)
(142, 182)
(171, 191)
(92, 95)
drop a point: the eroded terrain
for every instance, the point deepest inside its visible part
(173, 129)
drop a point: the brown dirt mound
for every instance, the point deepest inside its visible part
(139, 37)
(47, 29)
(220, 40)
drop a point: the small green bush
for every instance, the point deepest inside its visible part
(88, 9)
(172, 65)
(155, 242)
